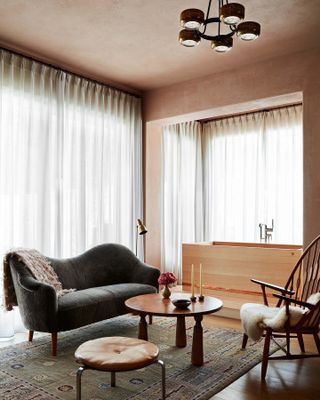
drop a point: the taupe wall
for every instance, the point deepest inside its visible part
(277, 81)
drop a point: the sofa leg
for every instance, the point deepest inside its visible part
(54, 343)
(30, 336)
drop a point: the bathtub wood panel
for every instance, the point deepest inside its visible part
(228, 268)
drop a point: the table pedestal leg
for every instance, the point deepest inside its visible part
(197, 342)
(143, 328)
(181, 337)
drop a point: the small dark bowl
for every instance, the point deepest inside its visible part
(181, 303)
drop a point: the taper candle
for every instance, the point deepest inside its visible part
(192, 280)
(200, 279)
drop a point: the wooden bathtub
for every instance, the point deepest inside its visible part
(228, 266)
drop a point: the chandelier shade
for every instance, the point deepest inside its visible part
(222, 44)
(231, 15)
(191, 18)
(189, 38)
(248, 30)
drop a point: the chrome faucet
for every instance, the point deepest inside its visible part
(262, 232)
(266, 232)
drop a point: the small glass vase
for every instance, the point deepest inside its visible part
(166, 293)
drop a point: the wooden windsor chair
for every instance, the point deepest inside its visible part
(301, 290)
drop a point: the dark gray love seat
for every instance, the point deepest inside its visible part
(104, 277)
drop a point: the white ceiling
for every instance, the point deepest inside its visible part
(133, 43)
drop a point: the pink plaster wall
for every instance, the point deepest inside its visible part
(277, 81)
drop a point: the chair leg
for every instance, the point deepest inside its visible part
(301, 342)
(30, 336)
(150, 319)
(244, 341)
(265, 356)
(288, 343)
(317, 341)
(54, 343)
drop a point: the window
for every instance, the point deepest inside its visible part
(252, 175)
(248, 171)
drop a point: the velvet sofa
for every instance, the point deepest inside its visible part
(104, 277)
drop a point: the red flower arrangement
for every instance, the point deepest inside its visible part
(167, 278)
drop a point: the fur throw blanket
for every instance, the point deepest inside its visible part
(256, 317)
(40, 268)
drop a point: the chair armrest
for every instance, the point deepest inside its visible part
(274, 287)
(270, 286)
(294, 301)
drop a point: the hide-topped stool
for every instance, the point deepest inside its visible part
(116, 354)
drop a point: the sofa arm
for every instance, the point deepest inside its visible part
(38, 304)
(30, 284)
(144, 273)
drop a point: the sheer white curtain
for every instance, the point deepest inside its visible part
(233, 171)
(70, 160)
(284, 173)
(252, 174)
(182, 219)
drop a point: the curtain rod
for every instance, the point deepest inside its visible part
(258, 110)
(34, 59)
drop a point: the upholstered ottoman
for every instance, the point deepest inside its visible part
(116, 354)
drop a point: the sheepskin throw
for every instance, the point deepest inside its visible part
(40, 268)
(256, 317)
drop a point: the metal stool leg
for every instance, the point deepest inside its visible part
(163, 377)
(79, 374)
(113, 379)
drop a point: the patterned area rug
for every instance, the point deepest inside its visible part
(28, 372)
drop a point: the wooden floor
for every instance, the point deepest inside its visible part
(294, 380)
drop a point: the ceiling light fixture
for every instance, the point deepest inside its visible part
(195, 24)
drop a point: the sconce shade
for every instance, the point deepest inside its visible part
(191, 18)
(141, 227)
(222, 44)
(232, 13)
(189, 38)
(248, 30)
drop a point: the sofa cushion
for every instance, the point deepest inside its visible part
(95, 304)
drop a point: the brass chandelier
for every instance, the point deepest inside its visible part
(195, 24)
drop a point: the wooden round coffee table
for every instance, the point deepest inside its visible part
(155, 304)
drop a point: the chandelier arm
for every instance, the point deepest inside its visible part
(208, 10)
(207, 16)
(215, 37)
(211, 20)
(208, 21)
(209, 37)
